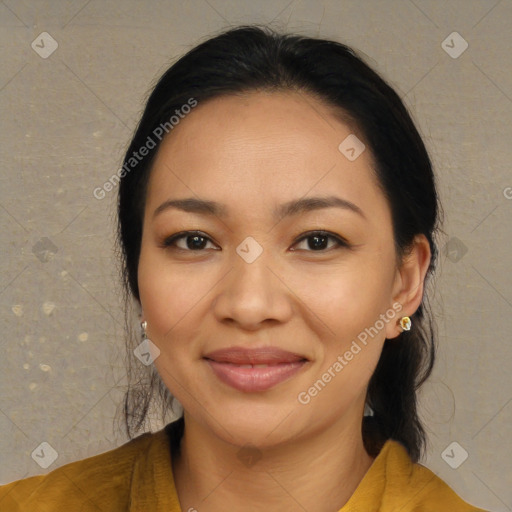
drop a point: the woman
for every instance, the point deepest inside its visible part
(277, 213)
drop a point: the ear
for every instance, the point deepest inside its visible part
(409, 282)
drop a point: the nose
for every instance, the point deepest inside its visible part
(253, 294)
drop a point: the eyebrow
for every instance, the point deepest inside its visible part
(291, 208)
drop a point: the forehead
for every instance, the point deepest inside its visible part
(261, 148)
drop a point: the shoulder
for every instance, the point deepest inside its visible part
(101, 482)
(414, 487)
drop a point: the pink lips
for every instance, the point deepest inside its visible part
(252, 370)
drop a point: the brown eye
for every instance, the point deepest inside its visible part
(317, 241)
(193, 241)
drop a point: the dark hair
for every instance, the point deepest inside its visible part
(250, 58)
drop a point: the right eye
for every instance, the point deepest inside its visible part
(194, 241)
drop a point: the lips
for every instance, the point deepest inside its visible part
(254, 356)
(252, 370)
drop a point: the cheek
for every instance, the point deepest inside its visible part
(347, 298)
(164, 298)
(174, 297)
(171, 300)
(351, 339)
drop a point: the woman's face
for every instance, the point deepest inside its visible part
(254, 279)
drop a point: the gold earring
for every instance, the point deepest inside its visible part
(405, 323)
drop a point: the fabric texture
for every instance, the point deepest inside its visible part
(137, 477)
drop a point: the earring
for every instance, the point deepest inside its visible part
(405, 323)
(147, 351)
(143, 326)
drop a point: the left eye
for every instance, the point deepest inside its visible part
(319, 239)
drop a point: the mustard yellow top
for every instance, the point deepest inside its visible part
(137, 477)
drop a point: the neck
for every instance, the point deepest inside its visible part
(209, 472)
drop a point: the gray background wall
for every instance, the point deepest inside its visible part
(66, 120)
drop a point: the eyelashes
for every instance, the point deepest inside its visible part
(339, 242)
(170, 242)
(200, 240)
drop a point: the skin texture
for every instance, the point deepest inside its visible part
(253, 152)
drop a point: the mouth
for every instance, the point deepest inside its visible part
(253, 370)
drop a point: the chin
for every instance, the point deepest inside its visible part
(255, 433)
(263, 425)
